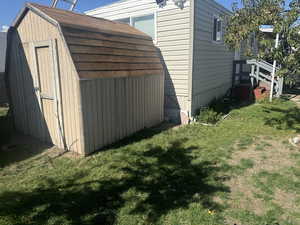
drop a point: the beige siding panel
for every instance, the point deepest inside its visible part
(183, 43)
(173, 22)
(170, 28)
(169, 16)
(175, 53)
(33, 29)
(173, 37)
(212, 62)
(114, 108)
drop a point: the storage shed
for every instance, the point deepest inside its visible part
(81, 82)
(3, 95)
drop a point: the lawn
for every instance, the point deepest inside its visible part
(242, 171)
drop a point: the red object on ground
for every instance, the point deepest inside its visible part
(260, 93)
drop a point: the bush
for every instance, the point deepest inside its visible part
(208, 115)
(215, 111)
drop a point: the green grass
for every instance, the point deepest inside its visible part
(173, 177)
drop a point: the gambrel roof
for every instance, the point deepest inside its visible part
(100, 47)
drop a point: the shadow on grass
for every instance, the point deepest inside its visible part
(139, 136)
(16, 147)
(153, 182)
(283, 119)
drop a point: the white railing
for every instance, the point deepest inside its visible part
(262, 71)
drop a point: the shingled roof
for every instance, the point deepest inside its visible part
(100, 47)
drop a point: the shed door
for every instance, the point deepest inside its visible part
(47, 89)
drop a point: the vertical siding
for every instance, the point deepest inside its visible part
(2, 51)
(114, 108)
(173, 39)
(3, 94)
(27, 114)
(212, 62)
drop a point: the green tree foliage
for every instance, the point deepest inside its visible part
(243, 30)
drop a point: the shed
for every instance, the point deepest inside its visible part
(81, 82)
(3, 95)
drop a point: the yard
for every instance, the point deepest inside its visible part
(242, 171)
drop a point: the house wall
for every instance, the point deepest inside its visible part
(173, 28)
(212, 62)
(27, 114)
(114, 108)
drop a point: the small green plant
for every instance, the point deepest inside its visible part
(215, 111)
(208, 115)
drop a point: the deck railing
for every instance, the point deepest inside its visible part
(259, 71)
(262, 71)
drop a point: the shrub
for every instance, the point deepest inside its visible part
(208, 115)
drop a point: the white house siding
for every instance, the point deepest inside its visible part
(212, 62)
(173, 30)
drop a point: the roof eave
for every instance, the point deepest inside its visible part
(25, 9)
(19, 17)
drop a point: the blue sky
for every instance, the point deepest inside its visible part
(10, 8)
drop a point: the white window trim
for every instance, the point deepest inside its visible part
(140, 15)
(221, 35)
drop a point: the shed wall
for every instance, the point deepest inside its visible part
(33, 28)
(3, 94)
(212, 62)
(173, 27)
(114, 108)
(3, 42)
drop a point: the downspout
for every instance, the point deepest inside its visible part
(191, 57)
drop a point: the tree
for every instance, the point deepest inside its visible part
(243, 28)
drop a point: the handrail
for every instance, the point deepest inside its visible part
(263, 64)
(261, 71)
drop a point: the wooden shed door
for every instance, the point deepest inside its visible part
(47, 88)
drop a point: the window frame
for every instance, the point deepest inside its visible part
(131, 18)
(219, 19)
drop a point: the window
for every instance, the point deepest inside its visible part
(145, 23)
(125, 20)
(217, 30)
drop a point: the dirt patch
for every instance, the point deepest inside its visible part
(268, 155)
(288, 201)
(242, 196)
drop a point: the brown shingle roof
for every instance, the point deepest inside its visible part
(76, 20)
(102, 48)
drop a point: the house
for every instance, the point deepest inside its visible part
(81, 82)
(198, 65)
(3, 41)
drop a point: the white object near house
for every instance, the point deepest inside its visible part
(190, 38)
(270, 29)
